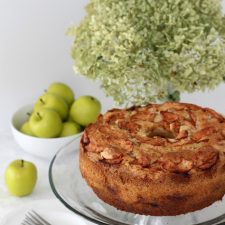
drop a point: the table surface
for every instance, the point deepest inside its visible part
(9, 150)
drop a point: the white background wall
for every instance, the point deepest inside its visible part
(34, 51)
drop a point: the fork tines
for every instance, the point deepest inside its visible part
(33, 218)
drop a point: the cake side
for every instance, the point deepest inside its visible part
(173, 195)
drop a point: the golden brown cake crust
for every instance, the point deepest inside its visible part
(159, 159)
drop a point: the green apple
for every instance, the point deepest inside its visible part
(45, 123)
(25, 128)
(62, 90)
(70, 119)
(70, 128)
(20, 177)
(85, 110)
(52, 101)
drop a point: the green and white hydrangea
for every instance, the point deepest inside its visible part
(140, 50)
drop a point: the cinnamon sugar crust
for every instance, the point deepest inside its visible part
(159, 159)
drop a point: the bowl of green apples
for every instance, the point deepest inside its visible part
(54, 120)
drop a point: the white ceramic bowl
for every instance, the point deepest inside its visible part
(42, 147)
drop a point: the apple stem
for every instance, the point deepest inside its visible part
(29, 114)
(22, 162)
(42, 101)
(45, 90)
(39, 115)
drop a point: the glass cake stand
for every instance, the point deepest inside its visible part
(71, 189)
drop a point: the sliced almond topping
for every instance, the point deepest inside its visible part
(182, 134)
(189, 124)
(146, 159)
(184, 127)
(94, 156)
(174, 127)
(171, 140)
(110, 153)
(92, 147)
(185, 165)
(158, 118)
(206, 157)
(203, 134)
(169, 117)
(182, 166)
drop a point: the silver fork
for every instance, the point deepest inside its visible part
(33, 218)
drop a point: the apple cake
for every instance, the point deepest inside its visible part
(158, 159)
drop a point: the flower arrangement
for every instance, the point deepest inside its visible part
(148, 50)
